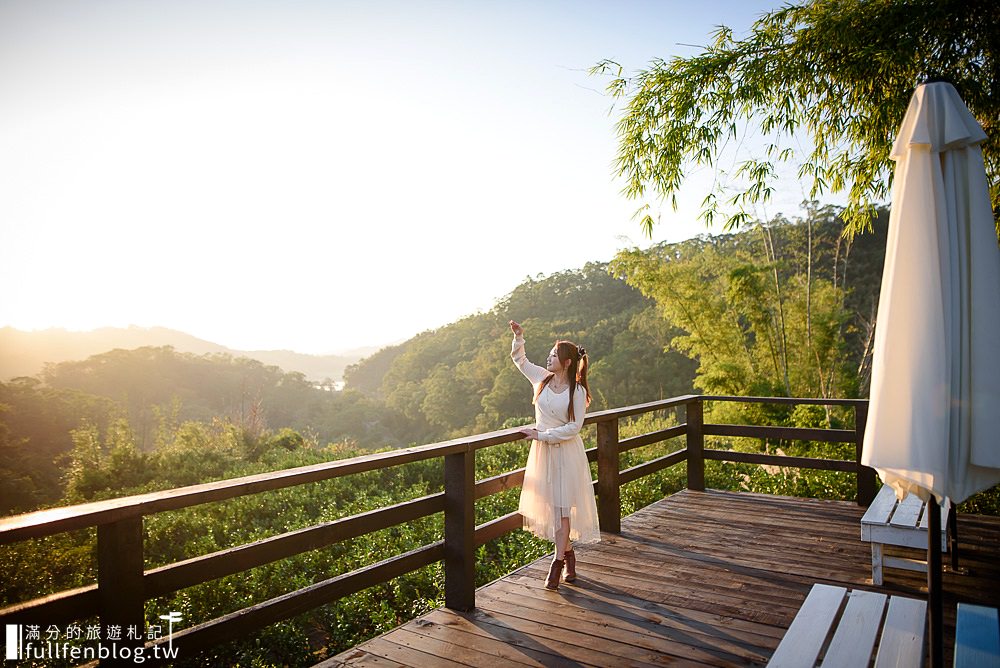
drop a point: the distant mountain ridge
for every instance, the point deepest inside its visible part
(26, 353)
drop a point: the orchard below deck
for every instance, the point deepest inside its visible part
(704, 577)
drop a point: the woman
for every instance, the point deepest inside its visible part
(557, 496)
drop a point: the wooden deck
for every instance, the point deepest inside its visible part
(699, 578)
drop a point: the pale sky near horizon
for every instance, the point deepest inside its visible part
(316, 176)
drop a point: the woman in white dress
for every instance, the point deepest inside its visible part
(557, 496)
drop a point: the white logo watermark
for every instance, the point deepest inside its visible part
(31, 642)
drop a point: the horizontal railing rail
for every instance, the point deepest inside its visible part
(865, 477)
(794, 401)
(123, 586)
(58, 520)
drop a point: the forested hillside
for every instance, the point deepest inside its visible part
(26, 353)
(152, 393)
(459, 378)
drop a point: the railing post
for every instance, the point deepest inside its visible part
(459, 530)
(695, 445)
(866, 475)
(609, 507)
(119, 580)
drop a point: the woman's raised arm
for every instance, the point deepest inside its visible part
(532, 372)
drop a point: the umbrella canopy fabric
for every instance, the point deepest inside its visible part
(934, 413)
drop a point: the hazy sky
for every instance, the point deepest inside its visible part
(315, 175)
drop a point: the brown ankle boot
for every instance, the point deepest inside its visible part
(555, 571)
(570, 559)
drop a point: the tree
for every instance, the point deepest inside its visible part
(102, 469)
(753, 309)
(841, 71)
(35, 425)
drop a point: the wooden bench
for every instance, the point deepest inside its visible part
(977, 637)
(902, 523)
(836, 627)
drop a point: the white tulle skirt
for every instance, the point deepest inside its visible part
(557, 484)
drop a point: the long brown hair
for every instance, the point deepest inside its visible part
(577, 371)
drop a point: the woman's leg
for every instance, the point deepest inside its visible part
(562, 538)
(556, 567)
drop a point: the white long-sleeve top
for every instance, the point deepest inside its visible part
(551, 408)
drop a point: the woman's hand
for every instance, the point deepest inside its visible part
(530, 433)
(516, 328)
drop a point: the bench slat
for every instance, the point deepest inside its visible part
(977, 637)
(879, 511)
(804, 638)
(902, 642)
(944, 516)
(907, 512)
(855, 636)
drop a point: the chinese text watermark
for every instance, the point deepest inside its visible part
(85, 643)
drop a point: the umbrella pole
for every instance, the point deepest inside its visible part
(935, 604)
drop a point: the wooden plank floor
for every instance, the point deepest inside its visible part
(699, 578)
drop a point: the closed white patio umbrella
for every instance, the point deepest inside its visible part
(934, 416)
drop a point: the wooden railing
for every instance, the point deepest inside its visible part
(123, 586)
